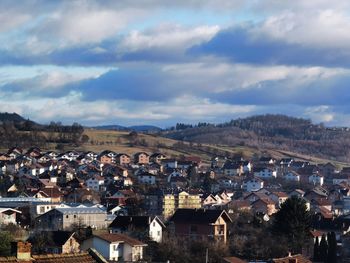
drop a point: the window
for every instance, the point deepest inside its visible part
(193, 229)
(67, 216)
(75, 216)
(158, 233)
(154, 223)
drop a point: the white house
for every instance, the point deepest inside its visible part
(253, 185)
(95, 183)
(266, 172)
(316, 179)
(247, 166)
(116, 247)
(292, 176)
(8, 215)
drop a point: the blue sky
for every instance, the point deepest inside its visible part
(161, 62)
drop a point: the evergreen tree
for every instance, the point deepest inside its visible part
(293, 221)
(317, 250)
(323, 249)
(5, 244)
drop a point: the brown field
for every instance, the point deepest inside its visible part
(120, 141)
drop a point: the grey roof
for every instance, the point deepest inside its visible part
(24, 199)
(81, 210)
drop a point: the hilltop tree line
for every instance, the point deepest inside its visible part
(27, 133)
(270, 132)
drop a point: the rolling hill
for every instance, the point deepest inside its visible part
(277, 132)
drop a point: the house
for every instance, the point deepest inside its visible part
(226, 182)
(279, 198)
(157, 157)
(95, 183)
(141, 226)
(8, 216)
(105, 158)
(169, 163)
(123, 159)
(247, 166)
(265, 172)
(60, 242)
(146, 178)
(316, 179)
(297, 192)
(264, 205)
(240, 205)
(21, 252)
(328, 169)
(267, 160)
(231, 169)
(253, 184)
(116, 247)
(66, 218)
(292, 176)
(254, 196)
(141, 158)
(201, 224)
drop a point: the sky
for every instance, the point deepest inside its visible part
(159, 62)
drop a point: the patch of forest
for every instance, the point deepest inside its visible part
(20, 132)
(271, 132)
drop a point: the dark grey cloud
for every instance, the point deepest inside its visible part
(245, 45)
(324, 91)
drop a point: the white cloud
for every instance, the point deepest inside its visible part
(167, 37)
(321, 28)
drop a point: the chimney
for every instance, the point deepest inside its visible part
(23, 251)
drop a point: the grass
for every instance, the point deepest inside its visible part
(121, 142)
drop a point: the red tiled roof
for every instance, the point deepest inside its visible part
(54, 258)
(234, 260)
(280, 194)
(64, 258)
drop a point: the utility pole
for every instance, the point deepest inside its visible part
(206, 256)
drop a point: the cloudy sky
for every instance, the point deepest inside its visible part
(160, 62)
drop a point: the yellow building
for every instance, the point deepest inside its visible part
(169, 205)
(172, 202)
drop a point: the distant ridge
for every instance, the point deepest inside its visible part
(13, 117)
(137, 128)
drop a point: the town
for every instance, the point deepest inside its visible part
(109, 206)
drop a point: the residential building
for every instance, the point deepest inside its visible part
(265, 172)
(116, 247)
(8, 216)
(201, 224)
(139, 226)
(171, 202)
(316, 179)
(66, 218)
(141, 158)
(59, 242)
(21, 252)
(253, 184)
(292, 176)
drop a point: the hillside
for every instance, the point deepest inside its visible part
(14, 117)
(277, 132)
(137, 128)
